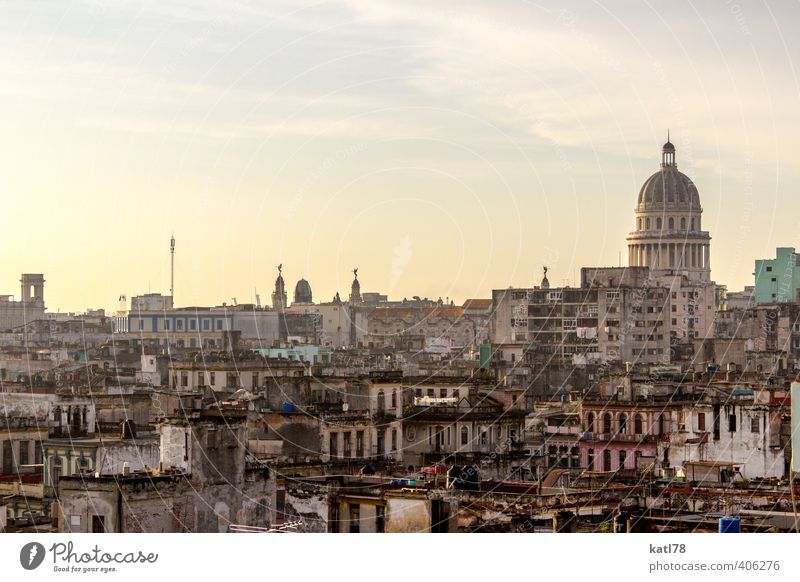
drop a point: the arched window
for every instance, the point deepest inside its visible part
(590, 460)
(658, 223)
(637, 424)
(590, 422)
(464, 435)
(623, 424)
(692, 225)
(671, 223)
(638, 224)
(647, 224)
(623, 455)
(683, 223)
(607, 423)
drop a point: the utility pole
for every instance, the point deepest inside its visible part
(172, 269)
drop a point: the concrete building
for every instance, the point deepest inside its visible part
(778, 280)
(206, 482)
(30, 307)
(744, 299)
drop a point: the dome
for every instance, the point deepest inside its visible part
(668, 147)
(302, 292)
(668, 188)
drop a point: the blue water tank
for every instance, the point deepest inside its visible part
(288, 407)
(729, 525)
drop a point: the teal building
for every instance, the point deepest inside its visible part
(778, 280)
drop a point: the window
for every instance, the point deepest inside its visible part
(219, 324)
(192, 324)
(672, 223)
(212, 439)
(98, 524)
(658, 223)
(179, 324)
(211, 378)
(464, 435)
(359, 443)
(607, 423)
(394, 439)
(683, 224)
(348, 445)
(55, 471)
(637, 424)
(623, 455)
(731, 423)
(606, 461)
(590, 460)
(167, 324)
(701, 421)
(623, 424)
(484, 438)
(206, 324)
(23, 453)
(590, 422)
(333, 444)
(394, 399)
(612, 294)
(769, 269)
(75, 523)
(355, 518)
(8, 458)
(381, 401)
(380, 518)
(755, 426)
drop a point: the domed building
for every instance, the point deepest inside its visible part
(669, 235)
(302, 292)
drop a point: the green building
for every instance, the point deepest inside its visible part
(778, 280)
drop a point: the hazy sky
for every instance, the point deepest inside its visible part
(444, 148)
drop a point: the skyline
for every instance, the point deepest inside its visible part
(445, 150)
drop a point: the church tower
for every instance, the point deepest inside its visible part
(279, 299)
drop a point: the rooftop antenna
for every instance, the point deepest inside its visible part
(172, 269)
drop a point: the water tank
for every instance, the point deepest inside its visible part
(729, 525)
(288, 407)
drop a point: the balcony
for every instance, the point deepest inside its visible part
(620, 438)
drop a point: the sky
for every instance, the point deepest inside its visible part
(444, 148)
